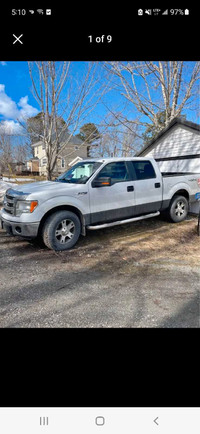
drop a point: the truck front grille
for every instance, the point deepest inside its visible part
(8, 205)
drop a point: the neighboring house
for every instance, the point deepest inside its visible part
(20, 167)
(16, 167)
(33, 165)
(73, 149)
(176, 148)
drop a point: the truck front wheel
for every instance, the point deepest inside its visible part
(178, 209)
(61, 230)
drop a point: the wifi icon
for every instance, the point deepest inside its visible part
(40, 11)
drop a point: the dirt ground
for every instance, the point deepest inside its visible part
(143, 274)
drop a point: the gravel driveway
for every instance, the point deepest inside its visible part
(144, 274)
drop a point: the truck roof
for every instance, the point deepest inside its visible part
(117, 159)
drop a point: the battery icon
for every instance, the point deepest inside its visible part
(187, 12)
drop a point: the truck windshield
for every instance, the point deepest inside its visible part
(79, 173)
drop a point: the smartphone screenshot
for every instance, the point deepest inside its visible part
(99, 219)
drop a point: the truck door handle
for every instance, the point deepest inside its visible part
(130, 188)
(157, 185)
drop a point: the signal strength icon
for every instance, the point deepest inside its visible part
(165, 12)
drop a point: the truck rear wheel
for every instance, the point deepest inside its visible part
(178, 209)
(61, 230)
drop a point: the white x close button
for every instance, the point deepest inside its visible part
(17, 39)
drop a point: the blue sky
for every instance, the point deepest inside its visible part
(17, 101)
(16, 97)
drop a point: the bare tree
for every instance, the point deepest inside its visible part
(117, 139)
(6, 151)
(20, 152)
(157, 86)
(13, 148)
(64, 103)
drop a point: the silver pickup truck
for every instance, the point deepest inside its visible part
(94, 194)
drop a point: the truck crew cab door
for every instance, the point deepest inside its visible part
(148, 187)
(116, 201)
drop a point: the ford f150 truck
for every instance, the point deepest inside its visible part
(94, 194)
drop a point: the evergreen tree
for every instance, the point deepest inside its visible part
(89, 134)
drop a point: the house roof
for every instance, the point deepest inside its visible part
(76, 160)
(33, 159)
(175, 121)
(64, 137)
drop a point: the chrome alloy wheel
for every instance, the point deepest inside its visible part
(65, 231)
(180, 208)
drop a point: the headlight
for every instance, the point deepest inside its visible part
(25, 206)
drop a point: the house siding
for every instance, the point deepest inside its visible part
(39, 152)
(178, 141)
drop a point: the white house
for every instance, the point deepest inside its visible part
(176, 148)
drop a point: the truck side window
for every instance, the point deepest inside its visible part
(143, 170)
(117, 171)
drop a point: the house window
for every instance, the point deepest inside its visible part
(37, 152)
(62, 163)
(44, 161)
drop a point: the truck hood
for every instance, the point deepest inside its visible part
(50, 187)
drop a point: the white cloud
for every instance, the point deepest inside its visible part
(3, 63)
(8, 107)
(26, 110)
(10, 110)
(11, 128)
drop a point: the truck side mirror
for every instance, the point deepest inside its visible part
(101, 182)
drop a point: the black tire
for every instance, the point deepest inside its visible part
(61, 230)
(178, 209)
